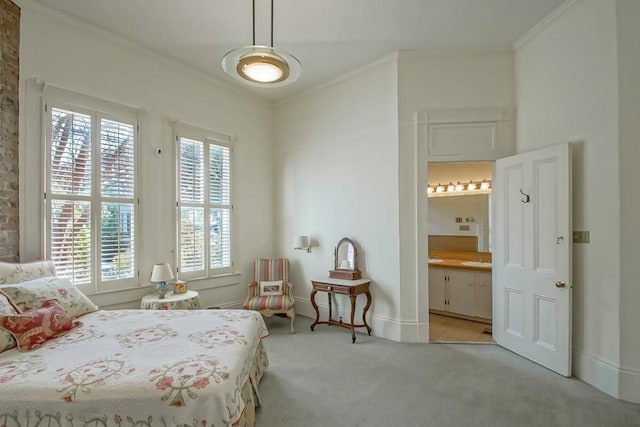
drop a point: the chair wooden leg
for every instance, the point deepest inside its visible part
(292, 314)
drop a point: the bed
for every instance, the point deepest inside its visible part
(142, 368)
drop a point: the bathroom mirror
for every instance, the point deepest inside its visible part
(345, 260)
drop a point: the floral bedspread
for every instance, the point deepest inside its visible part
(138, 368)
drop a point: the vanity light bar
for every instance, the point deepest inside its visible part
(459, 189)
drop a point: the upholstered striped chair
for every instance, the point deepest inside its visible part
(270, 291)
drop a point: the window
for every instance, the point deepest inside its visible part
(204, 203)
(91, 201)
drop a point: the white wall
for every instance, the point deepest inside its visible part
(336, 176)
(566, 84)
(628, 14)
(65, 53)
(433, 82)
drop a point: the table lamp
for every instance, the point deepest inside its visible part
(160, 274)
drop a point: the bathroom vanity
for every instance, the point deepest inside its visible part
(460, 288)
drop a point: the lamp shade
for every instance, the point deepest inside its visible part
(301, 242)
(161, 272)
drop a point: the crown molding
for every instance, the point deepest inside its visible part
(430, 53)
(126, 43)
(543, 24)
(390, 58)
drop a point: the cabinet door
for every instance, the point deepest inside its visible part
(483, 293)
(436, 289)
(460, 292)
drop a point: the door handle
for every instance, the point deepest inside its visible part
(560, 284)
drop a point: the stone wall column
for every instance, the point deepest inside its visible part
(9, 76)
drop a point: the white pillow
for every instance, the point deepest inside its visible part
(11, 273)
(271, 288)
(30, 295)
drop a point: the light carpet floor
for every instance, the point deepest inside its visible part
(321, 379)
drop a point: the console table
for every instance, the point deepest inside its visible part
(352, 288)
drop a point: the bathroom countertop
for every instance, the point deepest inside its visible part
(458, 263)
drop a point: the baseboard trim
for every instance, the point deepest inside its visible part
(629, 385)
(593, 370)
(619, 382)
(401, 330)
(233, 305)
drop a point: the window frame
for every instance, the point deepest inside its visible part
(208, 138)
(98, 110)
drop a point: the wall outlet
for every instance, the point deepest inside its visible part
(580, 237)
(458, 219)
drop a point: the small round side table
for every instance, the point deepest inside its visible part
(187, 301)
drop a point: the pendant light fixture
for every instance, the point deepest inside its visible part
(261, 66)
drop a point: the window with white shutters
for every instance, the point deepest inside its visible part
(204, 204)
(91, 196)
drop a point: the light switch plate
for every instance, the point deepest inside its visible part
(580, 237)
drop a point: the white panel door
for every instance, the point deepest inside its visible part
(532, 259)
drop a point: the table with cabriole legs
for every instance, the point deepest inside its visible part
(352, 288)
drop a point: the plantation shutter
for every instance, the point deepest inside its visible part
(91, 191)
(191, 201)
(117, 182)
(70, 179)
(220, 200)
(204, 207)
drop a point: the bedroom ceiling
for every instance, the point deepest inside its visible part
(329, 37)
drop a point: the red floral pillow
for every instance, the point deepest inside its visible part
(34, 328)
(6, 339)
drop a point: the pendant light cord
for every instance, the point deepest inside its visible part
(254, 23)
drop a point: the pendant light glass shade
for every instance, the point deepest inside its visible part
(261, 66)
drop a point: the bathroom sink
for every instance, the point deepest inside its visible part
(435, 260)
(476, 264)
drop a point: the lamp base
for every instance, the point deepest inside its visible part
(161, 288)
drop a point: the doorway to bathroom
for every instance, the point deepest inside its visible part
(459, 249)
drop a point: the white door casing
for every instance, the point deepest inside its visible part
(532, 292)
